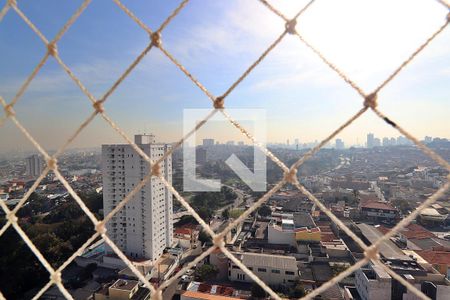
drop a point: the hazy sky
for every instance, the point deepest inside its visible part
(216, 41)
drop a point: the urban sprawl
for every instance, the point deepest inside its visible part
(288, 242)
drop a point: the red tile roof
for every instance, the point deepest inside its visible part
(436, 255)
(187, 231)
(383, 229)
(327, 237)
(377, 205)
(411, 231)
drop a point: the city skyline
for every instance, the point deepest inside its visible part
(291, 76)
(293, 142)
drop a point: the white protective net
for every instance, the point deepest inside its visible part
(156, 43)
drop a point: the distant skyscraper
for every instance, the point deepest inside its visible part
(230, 143)
(34, 166)
(386, 142)
(339, 144)
(370, 140)
(428, 139)
(376, 142)
(401, 140)
(208, 142)
(296, 141)
(241, 143)
(143, 228)
(393, 141)
(200, 155)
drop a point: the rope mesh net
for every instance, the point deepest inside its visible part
(156, 44)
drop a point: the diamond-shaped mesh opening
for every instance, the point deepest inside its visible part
(289, 175)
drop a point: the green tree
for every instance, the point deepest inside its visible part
(204, 237)
(93, 201)
(206, 271)
(228, 193)
(403, 205)
(264, 211)
(257, 291)
(205, 213)
(226, 213)
(53, 248)
(298, 291)
(20, 267)
(186, 219)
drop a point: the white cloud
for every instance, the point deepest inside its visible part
(366, 39)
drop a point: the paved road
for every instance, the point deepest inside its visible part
(237, 202)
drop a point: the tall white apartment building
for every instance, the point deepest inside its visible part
(34, 166)
(143, 227)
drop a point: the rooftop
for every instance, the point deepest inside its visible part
(436, 255)
(205, 296)
(302, 219)
(377, 205)
(200, 290)
(183, 231)
(402, 266)
(123, 284)
(429, 243)
(410, 231)
(268, 260)
(321, 271)
(388, 249)
(332, 293)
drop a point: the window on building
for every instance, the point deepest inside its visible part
(289, 273)
(276, 271)
(262, 270)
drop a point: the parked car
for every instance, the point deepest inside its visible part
(186, 278)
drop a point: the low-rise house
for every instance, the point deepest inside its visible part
(272, 269)
(378, 211)
(373, 283)
(203, 291)
(185, 237)
(122, 289)
(335, 248)
(290, 229)
(439, 258)
(432, 216)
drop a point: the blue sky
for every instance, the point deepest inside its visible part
(216, 41)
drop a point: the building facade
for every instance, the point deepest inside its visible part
(272, 269)
(373, 283)
(143, 228)
(34, 166)
(208, 142)
(370, 140)
(340, 144)
(378, 211)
